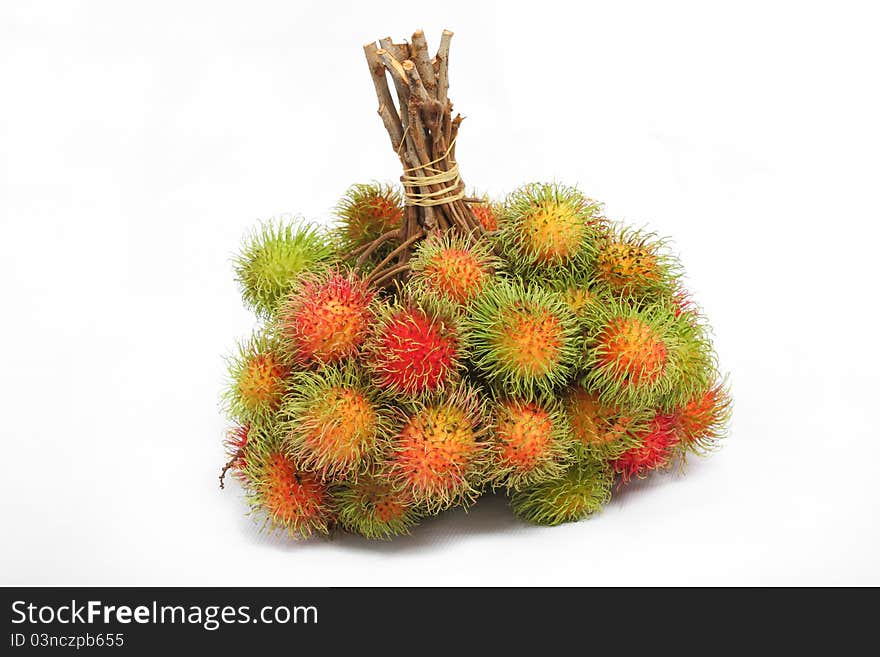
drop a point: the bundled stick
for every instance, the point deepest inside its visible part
(423, 134)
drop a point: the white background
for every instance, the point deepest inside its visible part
(139, 141)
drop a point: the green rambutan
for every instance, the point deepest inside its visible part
(287, 497)
(333, 421)
(642, 355)
(524, 339)
(452, 268)
(273, 256)
(440, 454)
(372, 508)
(634, 264)
(581, 491)
(549, 226)
(325, 317)
(257, 384)
(600, 430)
(702, 421)
(531, 442)
(415, 348)
(695, 357)
(366, 212)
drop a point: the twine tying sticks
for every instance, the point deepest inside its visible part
(415, 186)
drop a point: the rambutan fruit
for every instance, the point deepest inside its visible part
(273, 256)
(415, 348)
(258, 376)
(702, 421)
(372, 508)
(634, 264)
(575, 289)
(599, 429)
(236, 443)
(325, 317)
(452, 268)
(440, 454)
(641, 355)
(524, 338)
(531, 442)
(333, 421)
(287, 497)
(367, 212)
(549, 226)
(655, 449)
(486, 214)
(581, 491)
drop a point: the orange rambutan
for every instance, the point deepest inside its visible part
(598, 428)
(635, 264)
(655, 448)
(640, 355)
(258, 380)
(288, 497)
(485, 213)
(415, 349)
(531, 443)
(326, 318)
(525, 339)
(333, 421)
(702, 421)
(549, 226)
(634, 348)
(367, 212)
(452, 268)
(440, 453)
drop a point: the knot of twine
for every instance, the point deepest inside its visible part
(416, 186)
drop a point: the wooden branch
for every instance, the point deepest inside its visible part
(400, 51)
(442, 59)
(385, 278)
(419, 55)
(414, 81)
(375, 244)
(411, 240)
(389, 115)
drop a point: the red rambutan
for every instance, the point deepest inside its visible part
(655, 448)
(326, 318)
(236, 450)
(414, 350)
(291, 499)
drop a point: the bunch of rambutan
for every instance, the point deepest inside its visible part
(546, 358)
